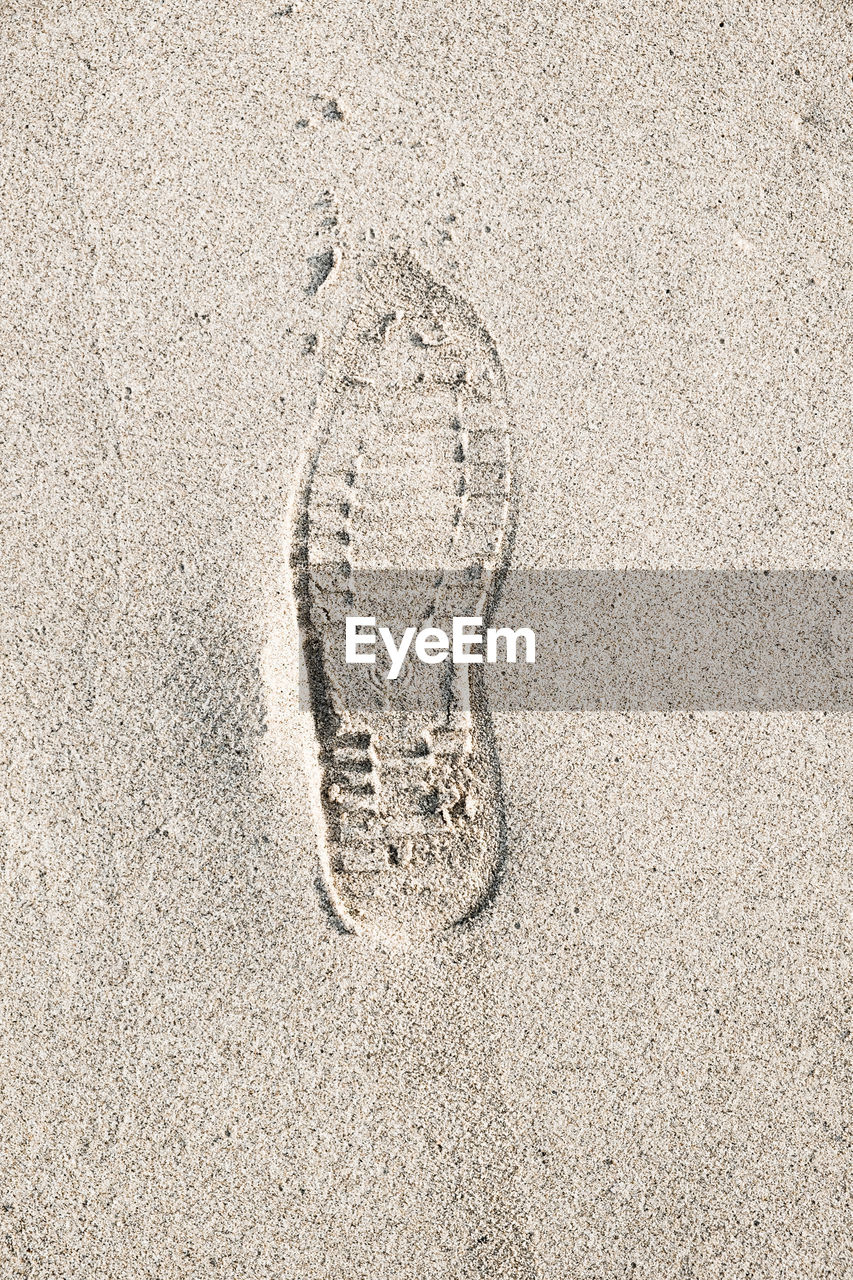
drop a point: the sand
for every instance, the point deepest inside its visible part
(636, 1061)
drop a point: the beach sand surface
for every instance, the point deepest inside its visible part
(636, 1062)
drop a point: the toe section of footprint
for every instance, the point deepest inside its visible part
(411, 476)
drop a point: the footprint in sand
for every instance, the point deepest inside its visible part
(409, 490)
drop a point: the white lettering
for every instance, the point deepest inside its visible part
(432, 645)
(397, 655)
(512, 638)
(356, 640)
(462, 637)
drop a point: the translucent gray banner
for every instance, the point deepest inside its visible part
(620, 641)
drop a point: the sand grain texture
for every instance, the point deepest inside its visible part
(636, 1062)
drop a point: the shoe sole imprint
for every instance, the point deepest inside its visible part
(411, 474)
